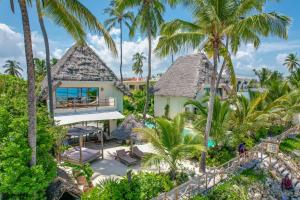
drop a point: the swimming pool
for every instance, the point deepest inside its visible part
(186, 131)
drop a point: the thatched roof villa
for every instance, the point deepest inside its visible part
(85, 89)
(187, 78)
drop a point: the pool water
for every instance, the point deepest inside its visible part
(186, 131)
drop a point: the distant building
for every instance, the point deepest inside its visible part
(137, 83)
(187, 78)
(85, 89)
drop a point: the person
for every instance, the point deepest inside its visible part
(286, 183)
(242, 148)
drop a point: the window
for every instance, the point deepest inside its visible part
(132, 87)
(69, 97)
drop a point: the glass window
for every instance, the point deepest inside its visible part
(68, 97)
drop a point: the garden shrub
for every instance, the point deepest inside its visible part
(135, 103)
(181, 177)
(220, 155)
(18, 180)
(236, 188)
(142, 186)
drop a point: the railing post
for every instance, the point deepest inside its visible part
(206, 180)
(214, 175)
(176, 194)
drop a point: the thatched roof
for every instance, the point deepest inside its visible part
(124, 131)
(62, 184)
(185, 77)
(81, 63)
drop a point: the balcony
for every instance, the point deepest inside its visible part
(84, 104)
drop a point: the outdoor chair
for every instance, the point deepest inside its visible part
(123, 156)
(136, 152)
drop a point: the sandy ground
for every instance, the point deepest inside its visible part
(110, 167)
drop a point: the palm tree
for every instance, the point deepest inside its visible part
(170, 143)
(294, 78)
(220, 120)
(120, 16)
(148, 20)
(249, 116)
(276, 89)
(72, 16)
(137, 66)
(40, 67)
(215, 20)
(291, 62)
(13, 68)
(31, 100)
(263, 75)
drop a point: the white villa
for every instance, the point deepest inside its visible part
(187, 78)
(85, 90)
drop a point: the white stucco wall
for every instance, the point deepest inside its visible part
(109, 90)
(176, 105)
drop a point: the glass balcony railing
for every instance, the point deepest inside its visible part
(84, 102)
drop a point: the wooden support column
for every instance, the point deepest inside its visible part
(80, 149)
(102, 145)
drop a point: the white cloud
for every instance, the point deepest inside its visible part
(13, 46)
(129, 49)
(279, 46)
(270, 54)
(280, 58)
(115, 31)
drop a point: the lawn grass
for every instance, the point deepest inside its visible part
(291, 144)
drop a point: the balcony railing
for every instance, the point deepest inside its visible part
(84, 102)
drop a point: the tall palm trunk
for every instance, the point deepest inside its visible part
(210, 104)
(149, 72)
(31, 82)
(47, 49)
(222, 68)
(121, 50)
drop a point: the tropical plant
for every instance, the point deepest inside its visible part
(292, 62)
(288, 105)
(248, 116)
(135, 103)
(142, 186)
(19, 180)
(13, 68)
(170, 143)
(220, 118)
(118, 16)
(263, 76)
(294, 78)
(148, 20)
(215, 20)
(73, 16)
(41, 69)
(137, 66)
(276, 89)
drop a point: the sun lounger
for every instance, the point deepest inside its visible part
(125, 158)
(137, 152)
(73, 155)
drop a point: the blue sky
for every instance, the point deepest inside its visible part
(270, 54)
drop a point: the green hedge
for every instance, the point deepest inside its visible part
(142, 186)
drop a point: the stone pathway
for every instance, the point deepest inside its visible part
(279, 168)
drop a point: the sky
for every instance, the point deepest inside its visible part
(270, 54)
